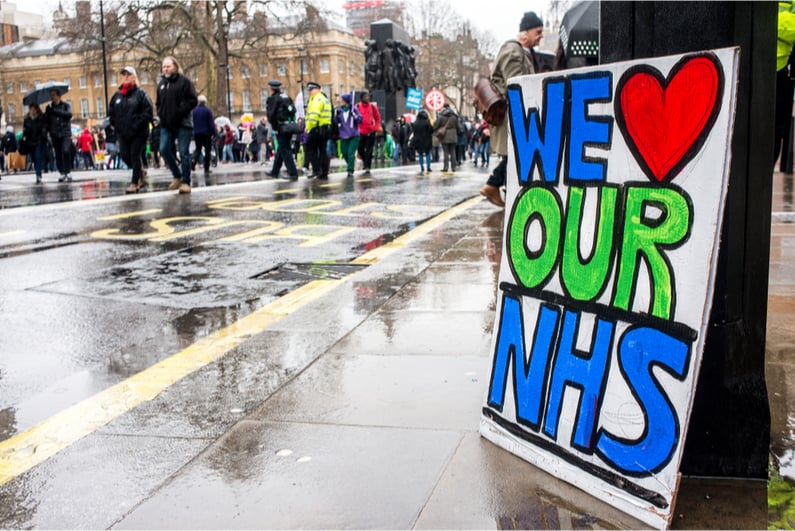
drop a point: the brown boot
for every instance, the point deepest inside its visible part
(174, 184)
(492, 193)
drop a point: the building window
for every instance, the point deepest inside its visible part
(12, 113)
(100, 107)
(84, 108)
(81, 81)
(341, 66)
(263, 70)
(263, 99)
(67, 81)
(23, 86)
(97, 81)
(231, 103)
(9, 88)
(326, 89)
(144, 77)
(113, 80)
(245, 72)
(324, 67)
(342, 89)
(352, 68)
(281, 68)
(246, 100)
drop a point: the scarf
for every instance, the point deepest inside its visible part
(125, 88)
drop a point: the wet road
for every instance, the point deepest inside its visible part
(142, 337)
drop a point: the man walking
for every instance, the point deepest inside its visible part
(281, 114)
(515, 58)
(58, 120)
(176, 98)
(368, 127)
(203, 132)
(318, 130)
(263, 135)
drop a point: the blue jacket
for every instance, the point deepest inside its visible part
(203, 121)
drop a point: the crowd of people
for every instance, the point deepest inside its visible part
(180, 131)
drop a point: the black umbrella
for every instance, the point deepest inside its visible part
(41, 94)
(579, 33)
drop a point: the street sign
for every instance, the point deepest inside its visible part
(435, 99)
(414, 98)
(617, 180)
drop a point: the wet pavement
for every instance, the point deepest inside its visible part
(324, 360)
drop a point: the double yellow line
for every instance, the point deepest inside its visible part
(34, 446)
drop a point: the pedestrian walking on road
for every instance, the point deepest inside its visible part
(318, 130)
(86, 144)
(281, 115)
(263, 138)
(448, 121)
(58, 118)
(33, 133)
(130, 113)
(203, 132)
(154, 142)
(422, 140)
(515, 58)
(176, 98)
(348, 119)
(371, 124)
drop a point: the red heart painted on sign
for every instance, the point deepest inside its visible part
(666, 121)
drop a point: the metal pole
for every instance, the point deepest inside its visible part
(301, 68)
(104, 58)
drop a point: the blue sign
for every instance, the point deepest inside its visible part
(414, 99)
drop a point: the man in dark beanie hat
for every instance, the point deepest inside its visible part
(515, 58)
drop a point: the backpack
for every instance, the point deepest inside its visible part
(285, 109)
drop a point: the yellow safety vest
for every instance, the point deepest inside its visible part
(318, 111)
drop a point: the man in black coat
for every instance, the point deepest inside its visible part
(176, 98)
(281, 111)
(58, 120)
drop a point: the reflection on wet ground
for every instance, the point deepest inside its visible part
(780, 356)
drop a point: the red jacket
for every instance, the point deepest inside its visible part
(371, 118)
(86, 141)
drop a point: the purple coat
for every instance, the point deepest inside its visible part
(348, 128)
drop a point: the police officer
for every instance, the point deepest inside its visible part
(281, 115)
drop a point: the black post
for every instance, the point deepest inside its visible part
(104, 58)
(729, 433)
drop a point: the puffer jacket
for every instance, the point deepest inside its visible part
(131, 114)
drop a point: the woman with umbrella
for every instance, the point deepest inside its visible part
(130, 113)
(58, 118)
(33, 135)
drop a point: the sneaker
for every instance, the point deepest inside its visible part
(174, 184)
(68, 178)
(184, 188)
(62, 178)
(293, 177)
(38, 179)
(350, 174)
(492, 193)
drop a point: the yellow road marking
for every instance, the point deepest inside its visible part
(34, 446)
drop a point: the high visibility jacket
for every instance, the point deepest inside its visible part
(786, 34)
(318, 111)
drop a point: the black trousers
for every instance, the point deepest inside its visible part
(316, 151)
(132, 151)
(500, 173)
(203, 143)
(366, 145)
(284, 154)
(784, 91)
(63, 154)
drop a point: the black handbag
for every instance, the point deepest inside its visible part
(291, 128)
(23, 148)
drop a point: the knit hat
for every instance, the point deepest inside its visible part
(529, 21)
(347, 98)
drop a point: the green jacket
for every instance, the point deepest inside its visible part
(786, 34)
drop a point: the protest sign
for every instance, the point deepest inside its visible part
(617, 178)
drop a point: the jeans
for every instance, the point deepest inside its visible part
(182, 135)
(38, 157)
(484, 150)
(425, 159)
